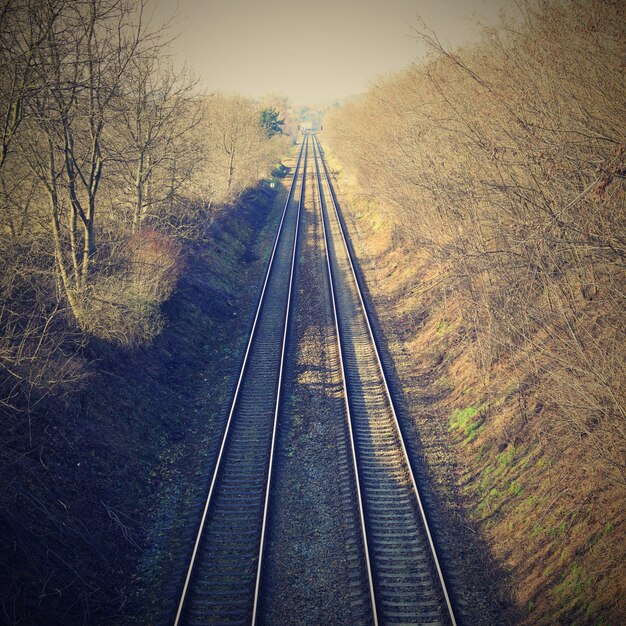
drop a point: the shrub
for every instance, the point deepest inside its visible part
(155, 264)
(124, 307)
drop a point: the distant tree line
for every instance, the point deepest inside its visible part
(109, 158)
(505, 161)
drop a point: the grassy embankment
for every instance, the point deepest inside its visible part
(556, 531)
(107, 494)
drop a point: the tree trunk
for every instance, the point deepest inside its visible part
(139, 192)
(231, 169)
(68, 283)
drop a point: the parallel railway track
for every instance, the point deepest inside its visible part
(223, 583)
(222, 580)
(408, 584)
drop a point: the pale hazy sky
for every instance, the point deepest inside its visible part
(312, 51)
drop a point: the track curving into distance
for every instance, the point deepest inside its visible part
(407, 583)
(222, 581)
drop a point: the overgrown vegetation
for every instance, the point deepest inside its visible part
(113, 167)
(110, 159)
(501, 169)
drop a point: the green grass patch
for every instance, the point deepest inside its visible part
(486, 477)
(460, 417)
(575, 583)
(506, 458)
(488, 503)
(471, 432)
(515, 489)
(557, 530)
(463, 420)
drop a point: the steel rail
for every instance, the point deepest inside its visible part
(190, 569)
(280, 379)
(404, 451)
(359, 498)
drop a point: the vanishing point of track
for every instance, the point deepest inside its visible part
(224, 578)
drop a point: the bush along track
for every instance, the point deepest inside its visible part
(493, 208)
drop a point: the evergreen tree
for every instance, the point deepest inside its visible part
(270, 123)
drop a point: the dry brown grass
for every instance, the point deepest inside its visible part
(556, 526)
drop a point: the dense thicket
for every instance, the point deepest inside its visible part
(506, 161)
(109, 157)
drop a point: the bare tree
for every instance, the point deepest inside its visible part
(154, 131)
(22, 36)
(506, 161)
(234, 143)
(84, 63)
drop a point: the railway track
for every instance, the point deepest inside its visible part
(407, 583)
(404, 583)
(222, 580)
